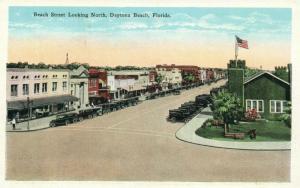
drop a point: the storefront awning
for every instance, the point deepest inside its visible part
(133, 88)
(22, 104)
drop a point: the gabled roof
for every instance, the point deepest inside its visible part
(249, 79)
(79, 72)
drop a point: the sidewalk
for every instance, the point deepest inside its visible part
(34, 125)
(187, 134)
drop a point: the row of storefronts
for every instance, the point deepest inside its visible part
(42, 92)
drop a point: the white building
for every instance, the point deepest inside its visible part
(79, 79)
(127, 82)
(45, 91)
(203, 75)
(169, 76)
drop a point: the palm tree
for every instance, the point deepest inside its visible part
(226, 107)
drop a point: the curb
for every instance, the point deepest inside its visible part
(30, 130)
(232, 148)
(228, 145)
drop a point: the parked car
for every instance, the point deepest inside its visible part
(176, 92)
(89, 113)
(64, 119)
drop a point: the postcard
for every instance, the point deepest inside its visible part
(149, 93)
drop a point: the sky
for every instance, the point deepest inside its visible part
(189, 36)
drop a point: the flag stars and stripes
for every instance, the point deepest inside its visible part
(241, 43)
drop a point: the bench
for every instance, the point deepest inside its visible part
(235, 135)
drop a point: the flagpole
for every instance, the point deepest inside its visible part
(236, 51)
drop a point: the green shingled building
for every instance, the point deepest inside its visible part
(263, 91)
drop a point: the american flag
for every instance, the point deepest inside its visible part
(241, 43)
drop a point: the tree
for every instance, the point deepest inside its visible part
(159, 78)
(226, 107)
(188, 77)
(287, 116)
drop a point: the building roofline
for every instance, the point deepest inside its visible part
(265, 72)
(35, 70)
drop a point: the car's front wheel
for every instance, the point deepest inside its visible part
(52, 124)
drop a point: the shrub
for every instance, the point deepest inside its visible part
(287, 117)
(207, 123)
(251, 115)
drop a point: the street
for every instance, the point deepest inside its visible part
(135, 144)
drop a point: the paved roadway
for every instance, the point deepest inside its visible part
(136, 143)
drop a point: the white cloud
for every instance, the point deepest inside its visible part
(206, 23)
(263, 18)
(254, 17)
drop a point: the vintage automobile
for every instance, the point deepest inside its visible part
(176, 92)
(89, 113)
(64, 119)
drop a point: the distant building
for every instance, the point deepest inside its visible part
(79, 79)
(202, 75)
(47, 90)
(210, 74)
(93, 83)
(98, 89)
(169, 75)
(184, 70)
(152, 76)
(103, 87)
(127, 83)
(263, 91)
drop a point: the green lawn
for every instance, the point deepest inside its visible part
(266, 131)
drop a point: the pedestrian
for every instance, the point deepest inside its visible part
(13, 123)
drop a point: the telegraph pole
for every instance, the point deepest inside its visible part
(29, 114)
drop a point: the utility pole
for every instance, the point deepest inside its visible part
(29, 114)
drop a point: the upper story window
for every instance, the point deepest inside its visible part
(36, 88)
(54, 86)
(93, 83)
(25, 89)
(14, 90)
(64, 86)
(44, 87)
